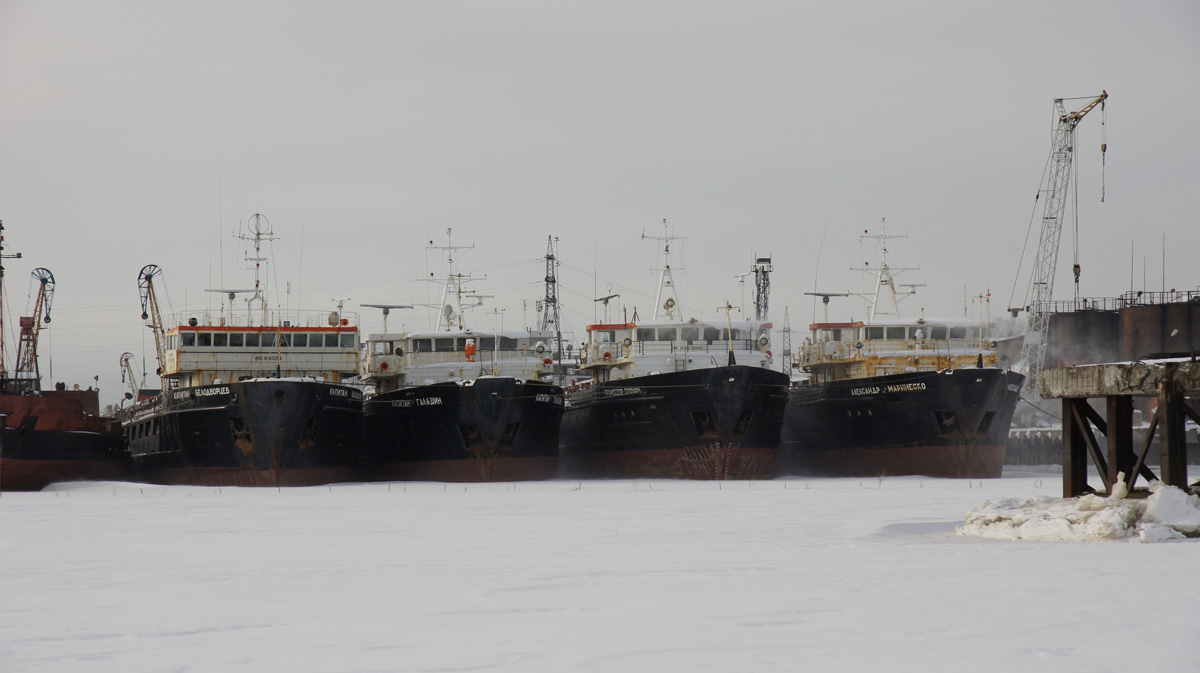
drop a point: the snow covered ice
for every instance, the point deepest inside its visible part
(822, 574)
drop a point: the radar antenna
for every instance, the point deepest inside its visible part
(386, 308)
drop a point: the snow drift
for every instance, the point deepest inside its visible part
(1168, 514)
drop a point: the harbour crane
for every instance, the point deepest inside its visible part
(128, 376)
(151, 314)
(27, 374)
(1062, 152)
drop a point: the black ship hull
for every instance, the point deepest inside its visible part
(938, 424)
(263, 432)
(52, 437)
(715, 423)
(490, 429)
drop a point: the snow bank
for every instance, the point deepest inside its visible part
(1168, 514)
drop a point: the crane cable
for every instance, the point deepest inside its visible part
(1103, 145)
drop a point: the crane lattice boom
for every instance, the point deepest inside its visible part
(1033, 351)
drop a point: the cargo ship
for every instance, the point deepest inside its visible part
(892, 396)
(250, 397)
(55, 435)
(460, 403)
(676, 398)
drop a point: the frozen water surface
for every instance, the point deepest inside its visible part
(821, 574)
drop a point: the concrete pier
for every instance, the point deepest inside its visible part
(1170, 381)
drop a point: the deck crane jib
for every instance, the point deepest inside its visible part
(27, 374)
(1041, 290)
(151, 314)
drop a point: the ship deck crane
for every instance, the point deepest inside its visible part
(27, 373)
(1062, 153)
(128, 376)
(152, 315)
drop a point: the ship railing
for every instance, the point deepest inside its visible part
(846, 350)
(273, 319)
(1126, 300)
(666, 347)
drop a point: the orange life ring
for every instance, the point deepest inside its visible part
(607, 356)
(547, 362)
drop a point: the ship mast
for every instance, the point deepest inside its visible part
(762, 287)
(668, 307)
(550, 318)
(260, 228)
(885, 282)
(3, 368)
(451, 307)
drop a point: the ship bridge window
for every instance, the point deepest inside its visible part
(895, 333)
(235, 340)
(346, 339)
(667, 334)
(605, 336)
(711, 334)
(204, 339)
(973, 334)
(831, 335)
(381, 347)
(443, 345)
(645, 334)
(268, 339)
(285, 340)
(299, 340)
(508, 344)
(221, 340)
(422, 345)
(874, 332)
(318, 340)
(689, 334)
(937, 332)
(958, 332)
(487, 343)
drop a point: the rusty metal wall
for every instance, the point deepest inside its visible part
(1160, 329)
(1083, 337)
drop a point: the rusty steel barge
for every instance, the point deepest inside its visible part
(50, 435)
(893, 396)
(676, 398)
(460, 404)
(250, 398)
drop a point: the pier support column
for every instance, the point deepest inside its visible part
(1172, 448)
(1120, 437)
(1075, 453)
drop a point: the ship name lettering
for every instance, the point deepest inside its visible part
(905, 387)
(873, 390)
(428, 401)
(403, 404)
(266, 358)
(219, 390)
(183, 395)
(338, 392)
(1014, 388)
(616, 392)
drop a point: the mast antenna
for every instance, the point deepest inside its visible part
(3, 256)
(668, 307)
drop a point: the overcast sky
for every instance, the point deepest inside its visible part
(137, 133)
